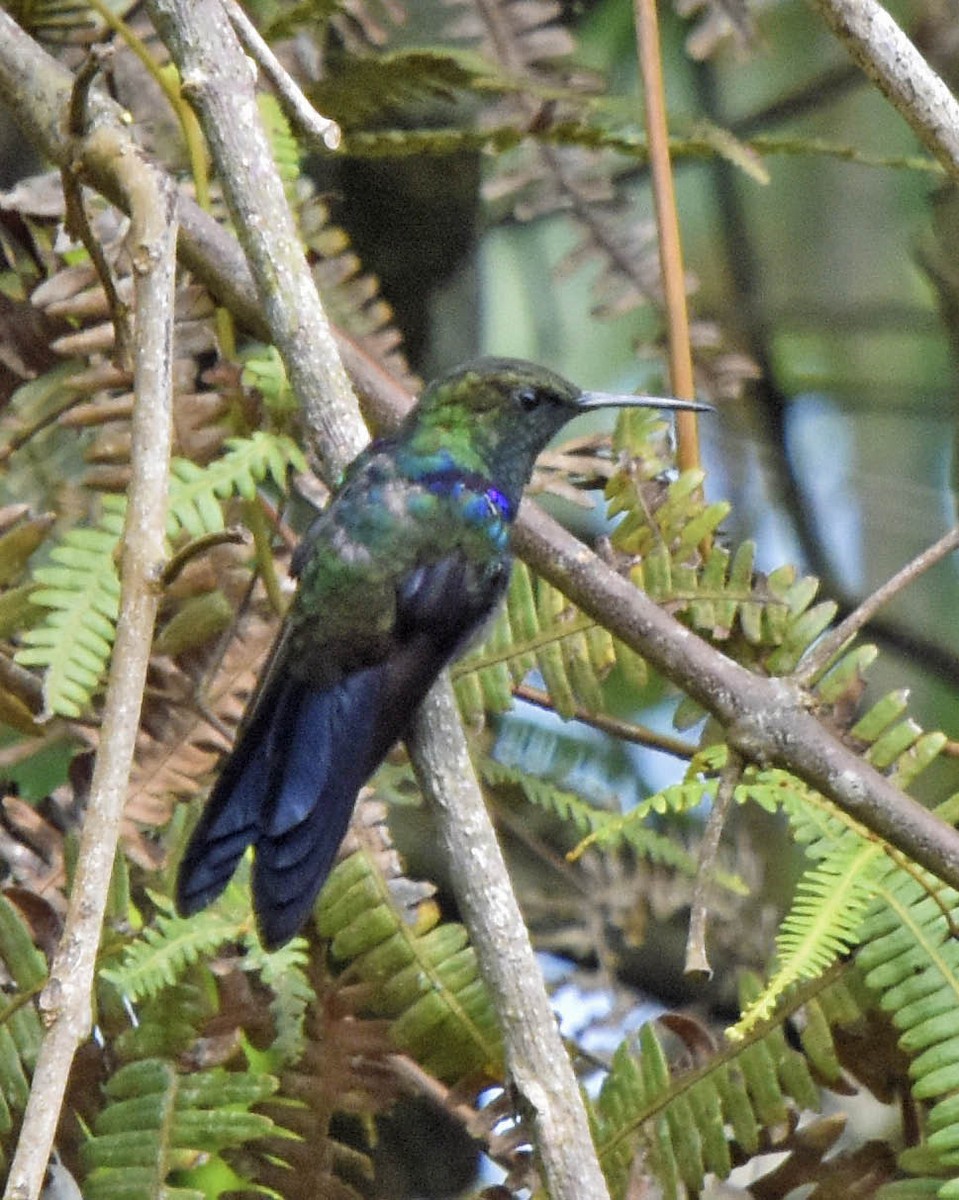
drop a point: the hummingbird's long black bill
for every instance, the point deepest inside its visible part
(613, 400)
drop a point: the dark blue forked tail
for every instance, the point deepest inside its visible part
(288, 789)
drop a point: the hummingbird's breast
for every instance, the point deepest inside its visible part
(395, 525)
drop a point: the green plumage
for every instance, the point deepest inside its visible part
(397, 574)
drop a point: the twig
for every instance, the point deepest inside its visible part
(313, 125)
(697, 961)
(893, 63)
(22, 684)
(681, 378)
(626, 731)
(66, 1000)
(231, 536)
(76, 214)
(826, 650)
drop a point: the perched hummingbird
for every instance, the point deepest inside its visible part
(395, 577)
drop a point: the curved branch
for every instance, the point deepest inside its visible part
(892, 62)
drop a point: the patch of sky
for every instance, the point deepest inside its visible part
(821, 446)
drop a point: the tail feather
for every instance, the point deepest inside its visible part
(288, 789)
(228, 825)
(330, 754)
(302, 754)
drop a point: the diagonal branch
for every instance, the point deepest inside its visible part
(218, 81)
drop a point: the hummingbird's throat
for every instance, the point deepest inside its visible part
(449, 481)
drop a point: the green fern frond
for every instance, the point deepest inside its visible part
(371, 89)
(664, 528)
(571, 809)
(424, 974)
(286, 149)
(909, 957)
(612, 829)
(196, 492)
(81, 589)
(823, 923)
(158, 1122)
(20, 1029)
(167, 948)
(683, 1125)
(833, 896)
(263, 370)
(539, 629)
(284, 972)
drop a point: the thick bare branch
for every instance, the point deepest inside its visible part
(215, 76)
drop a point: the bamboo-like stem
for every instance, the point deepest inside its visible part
(681, 380)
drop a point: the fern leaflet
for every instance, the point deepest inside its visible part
(81, 589)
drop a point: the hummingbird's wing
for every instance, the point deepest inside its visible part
(305, 751)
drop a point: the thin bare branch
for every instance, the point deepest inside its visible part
(313, 125)
(832, 643)
(77, 221)
(66, 1000)
(626, 731)
(697, 960)
(539, 1067)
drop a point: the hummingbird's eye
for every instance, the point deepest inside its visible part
(528, 398)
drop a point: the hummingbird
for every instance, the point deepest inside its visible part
(395, 577)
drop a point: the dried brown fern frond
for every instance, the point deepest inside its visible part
(719, 22)
(32, 848)
(185, 728)
(519, 34)
(345, 1068)
(540, 177)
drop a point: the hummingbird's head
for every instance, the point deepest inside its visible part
(503, 411)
